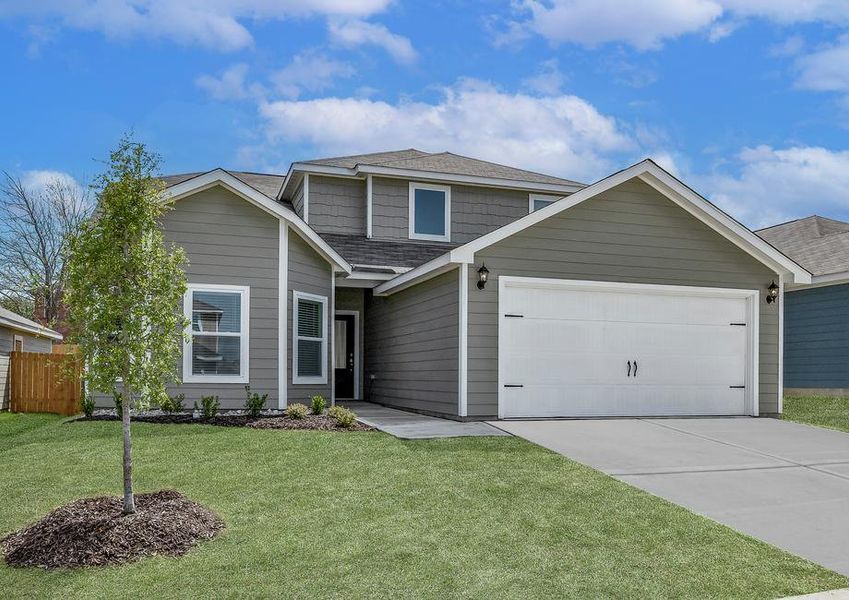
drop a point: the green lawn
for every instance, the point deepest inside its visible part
(363, 515)
(824, 411)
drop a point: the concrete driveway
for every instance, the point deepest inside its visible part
(781, 482)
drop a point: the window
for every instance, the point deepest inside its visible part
(538, 201)
(217, 349)
(430, 212)
(309, 338)
(19, 343)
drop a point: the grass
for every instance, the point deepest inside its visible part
(825, 411)
(363, 515)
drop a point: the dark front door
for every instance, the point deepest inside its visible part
(343, 360)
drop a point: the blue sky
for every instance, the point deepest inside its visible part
(746, 100)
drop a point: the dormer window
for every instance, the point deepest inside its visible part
(538, 201)
(430, 212)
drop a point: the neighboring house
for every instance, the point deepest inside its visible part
(361, 277)
(21, 335)
(816, 325)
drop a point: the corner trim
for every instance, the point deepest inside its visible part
(368, 206)
(306, 206)
(463, 367)
(283, 317)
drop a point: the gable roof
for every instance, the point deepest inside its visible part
(430, 166)
(819, 244)
(647, 171)
(15, 321)
(281, 210)
(266, 183)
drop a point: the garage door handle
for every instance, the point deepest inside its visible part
(629, 368)
(635, 368)
(513, 385)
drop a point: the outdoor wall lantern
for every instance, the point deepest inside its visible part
(483, 273)
(772, 293)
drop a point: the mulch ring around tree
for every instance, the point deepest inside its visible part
(312, 422)
(93, 532)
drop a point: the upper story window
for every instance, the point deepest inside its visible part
(430, 212)
(217, 348)
(538, 201)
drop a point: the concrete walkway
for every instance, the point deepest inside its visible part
(784, 483)
(413, 426)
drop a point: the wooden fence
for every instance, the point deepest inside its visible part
(45, 383)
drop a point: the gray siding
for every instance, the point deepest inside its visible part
(412, 346)
(31, 343)
(230, 242)
(630, 234)
(354, 299)
(4, 382)
(816, 338)
(475, 211)
(337, 205)
(309, 273)
(298, 199)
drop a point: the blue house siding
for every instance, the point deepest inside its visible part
(816, 337)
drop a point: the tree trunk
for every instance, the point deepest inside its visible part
(129, 501)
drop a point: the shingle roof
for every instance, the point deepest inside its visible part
(820, 245)
(361, 251)
(440, 162)
(16, 321)
(266, 183)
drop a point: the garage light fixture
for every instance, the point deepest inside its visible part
(483, 273)
(772, 293)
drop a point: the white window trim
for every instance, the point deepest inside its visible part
(446, 189)
(15, 341)
(296, 377)
(542, 198)
(244, 367)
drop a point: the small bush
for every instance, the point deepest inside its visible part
(87, 405)
(297, 411)
(254, 403)
(318, 404)
(209, 406)
(343, 417)
(172, 404)
(119, 403)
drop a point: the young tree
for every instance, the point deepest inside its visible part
(124, 290)
(36, 223)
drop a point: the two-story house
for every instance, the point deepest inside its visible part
(459, 287)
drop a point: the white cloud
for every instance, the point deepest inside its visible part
(215, 24)
(647, 24)
(40, 179)
(775, 185)
(792, 46)
(230, 85)
(356, 32)
(311, 72)
(559, 134)
(548, 80)
(826, 70)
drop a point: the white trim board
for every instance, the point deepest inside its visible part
(752, 298)
(414, 186)
(356, 315)
(31, 329)
(244, 334)
(463, 367)
(649, 172)
(283, 316)
(240, 188)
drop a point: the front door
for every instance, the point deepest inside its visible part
(344, 355)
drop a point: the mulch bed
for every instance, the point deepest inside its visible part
(94, 532)
(312, 422)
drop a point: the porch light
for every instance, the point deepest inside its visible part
(772, 293)
(483, 273)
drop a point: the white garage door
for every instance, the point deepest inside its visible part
(581, 349)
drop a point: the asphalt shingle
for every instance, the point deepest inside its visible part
(820, 245)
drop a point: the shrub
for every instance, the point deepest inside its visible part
(119, 403)
(318, 404)
(297, 411)
(172, 404)
(254, 403)
(87, 405)
(209, 406)
(343, 417)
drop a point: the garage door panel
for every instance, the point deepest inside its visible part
(567, 352)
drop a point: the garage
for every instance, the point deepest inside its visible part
(572, 348)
